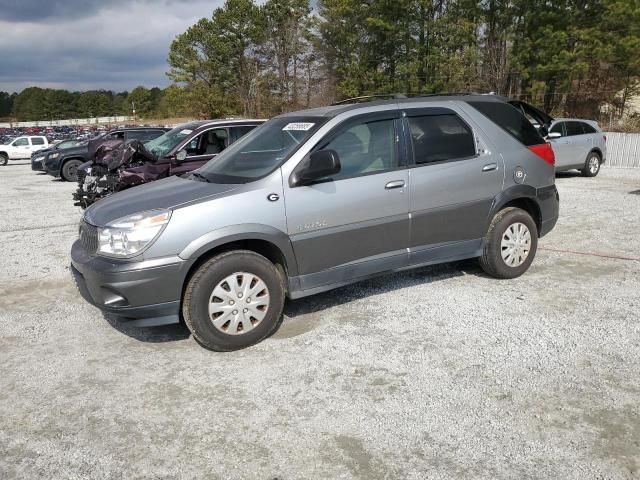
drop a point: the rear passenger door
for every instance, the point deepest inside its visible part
(454, 178)
(580, 143)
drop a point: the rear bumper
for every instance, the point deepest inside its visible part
(147, 292)
(549, 204)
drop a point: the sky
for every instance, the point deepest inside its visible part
(91, 44)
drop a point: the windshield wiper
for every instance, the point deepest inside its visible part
(200, 177)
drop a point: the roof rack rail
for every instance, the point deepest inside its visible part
(445, 94)
(369, 98)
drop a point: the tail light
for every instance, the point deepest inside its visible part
(605, 137)
(545, 152)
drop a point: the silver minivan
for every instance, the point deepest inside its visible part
(578, 144)
(313, 200)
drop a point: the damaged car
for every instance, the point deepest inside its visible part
(117, 165)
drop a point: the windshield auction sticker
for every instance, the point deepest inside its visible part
(186, 131)
(300, 127)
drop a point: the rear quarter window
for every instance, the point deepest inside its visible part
(588, 128)
(511, 120)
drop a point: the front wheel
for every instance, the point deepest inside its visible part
(591, 165)
(4, 159)
(70, 170)
(510, 245)
(234, 300)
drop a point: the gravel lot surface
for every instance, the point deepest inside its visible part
(436, 373)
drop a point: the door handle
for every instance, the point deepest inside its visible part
(490, 167)
(394, 184)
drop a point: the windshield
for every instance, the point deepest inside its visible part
(65, 144)
(165, 143)
(261, 151)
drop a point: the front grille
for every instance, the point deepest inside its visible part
(89, 237)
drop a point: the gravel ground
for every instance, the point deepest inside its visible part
(436, 373)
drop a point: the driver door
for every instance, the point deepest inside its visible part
(355, 223)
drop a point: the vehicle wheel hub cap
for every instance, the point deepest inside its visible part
(594, 164)
(239, 303)
(516, 244)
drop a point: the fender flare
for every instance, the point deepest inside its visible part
(515, 192)
(236, 233)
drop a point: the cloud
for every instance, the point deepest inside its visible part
(79, 45)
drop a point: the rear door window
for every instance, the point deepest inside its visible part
(588, 128)
(37, 141)
(574, 128)
(511, 120)
(239, 132)
(438, 138)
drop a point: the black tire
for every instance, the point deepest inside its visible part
(592, 165)
(197, 295)
(4, 159)
(70, 170)
(491, 260)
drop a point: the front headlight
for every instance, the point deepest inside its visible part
(39, 159)
(54, 155)
(130, 235)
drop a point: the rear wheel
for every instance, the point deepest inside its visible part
(233, 301)
(591, 165)
(70, 170)
(4, 159)
(510, 245)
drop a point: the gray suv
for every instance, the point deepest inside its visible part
(313, 200)
(578, 144)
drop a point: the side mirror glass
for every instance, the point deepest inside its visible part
(318, 165)
(554, 135)
(181, 156)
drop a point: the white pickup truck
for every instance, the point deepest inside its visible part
(22, 147)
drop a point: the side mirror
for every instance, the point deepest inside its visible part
(318, 165)
(181, 156)
(554, 135)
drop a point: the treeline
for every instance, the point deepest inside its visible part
(569, 57)
(578, 58)
(35, 103)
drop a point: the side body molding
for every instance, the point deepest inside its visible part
(236, 233)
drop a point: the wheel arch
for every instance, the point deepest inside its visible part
(519, 196)
(66, 160)
(596, 150)
(264, 240)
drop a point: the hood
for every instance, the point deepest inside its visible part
(73, 150)
(167, 193)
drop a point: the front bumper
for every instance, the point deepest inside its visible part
(52, 167)
(146, 293)
(37, 165)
